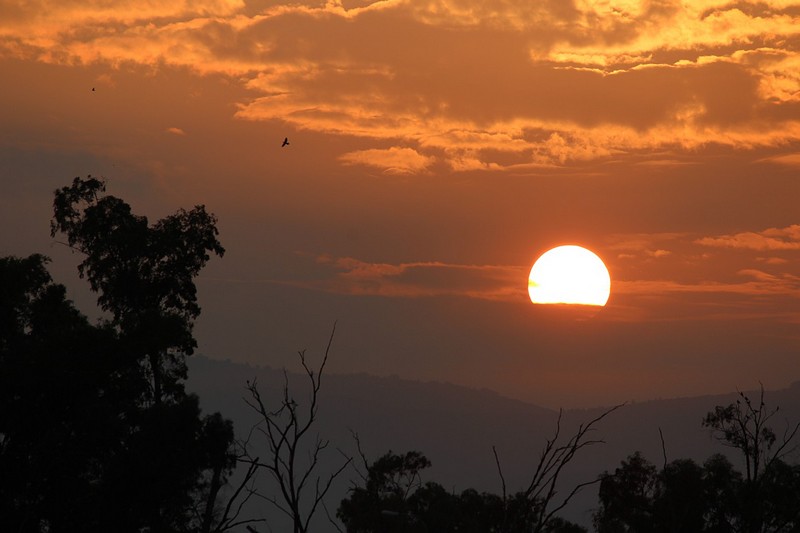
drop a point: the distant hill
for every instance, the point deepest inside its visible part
(456, 427)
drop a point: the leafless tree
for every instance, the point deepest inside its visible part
(540, 498)
(292, 455)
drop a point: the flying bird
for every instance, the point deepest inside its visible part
(285, 142)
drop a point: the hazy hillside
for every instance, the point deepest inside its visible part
(457, 426)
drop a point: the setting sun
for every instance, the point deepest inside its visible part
(569, 275)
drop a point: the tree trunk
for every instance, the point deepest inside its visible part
(156, 368)
(208, 515)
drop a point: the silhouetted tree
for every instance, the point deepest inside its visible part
(285, 430)
(220, 459)
(144, 274)
(626, 497)
(59, 414)
(744, 426)
(393, 498)
(480, 512)
(714, 497)
(722, 483)
(680, 499)
(96, 430)
(382, 504)
(559, 525)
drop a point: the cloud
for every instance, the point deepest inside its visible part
(422, 279)
(55, 25)
(394, 160)
(665, 163)
(772, 260)
(760, 284)
(644, 285)
(771, 239)
(671, 276)
(749, 294)
(176, 131)
(766, 283)
(647, 253)
(658, 253)
(792, 160)
(475, 85)
(645, 245)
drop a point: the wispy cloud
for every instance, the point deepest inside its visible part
(792, 160)
(506, 282)
(422, 279)
(645, 285)
(645, 245)
(787, 238)
(753, 283)
(683, 276)
(394, 160)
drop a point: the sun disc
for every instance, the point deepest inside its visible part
(569, 275)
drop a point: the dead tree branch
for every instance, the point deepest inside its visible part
(540, 494)
(286, 432)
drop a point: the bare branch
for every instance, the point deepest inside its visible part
(284, 432)
(572, 493)
(500, 473)
(330, 519)
(361, 454)
(553, 458)
(229, 516)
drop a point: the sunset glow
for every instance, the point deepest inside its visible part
(433, 145)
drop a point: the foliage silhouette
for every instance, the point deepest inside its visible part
(714, 497)
(144, 274)
(59, 416)
(96, 430)
(394, 499)
(743, 425)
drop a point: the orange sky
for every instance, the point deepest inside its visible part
(437, 148)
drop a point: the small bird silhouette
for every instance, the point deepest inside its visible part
(285, 142)
(92, 89)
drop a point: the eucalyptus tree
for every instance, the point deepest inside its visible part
(97, 432)
(143, 274)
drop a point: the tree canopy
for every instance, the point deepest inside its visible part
(96, 430)
(714, 496)
(393, 498)
(143, 274)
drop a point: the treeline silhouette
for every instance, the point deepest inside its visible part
(97, 431)
(714, 496)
